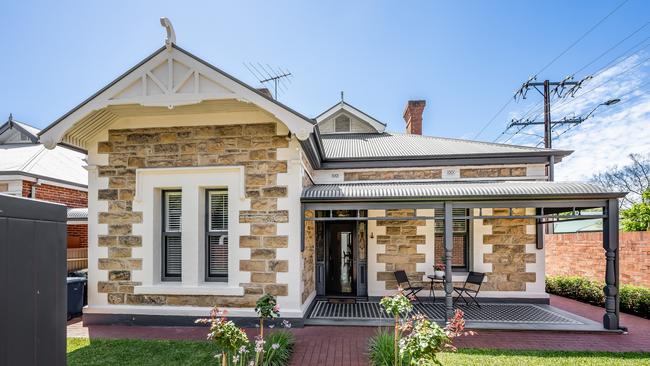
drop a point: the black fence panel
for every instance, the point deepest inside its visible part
(32, 282)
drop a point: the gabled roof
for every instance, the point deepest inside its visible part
(34, 160)
(166, 78)
(395, 146)
(344, 106)
(27, 130)
(456, 190)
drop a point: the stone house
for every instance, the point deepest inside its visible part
(204, 191)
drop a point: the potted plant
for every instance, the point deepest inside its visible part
(439, 270)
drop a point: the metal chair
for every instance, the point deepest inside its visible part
(475, 279)
(409, 290)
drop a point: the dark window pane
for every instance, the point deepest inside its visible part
(218, 255)
(173, 256)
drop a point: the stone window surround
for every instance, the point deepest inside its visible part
(193, 181)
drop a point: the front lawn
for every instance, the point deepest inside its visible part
(159, 353)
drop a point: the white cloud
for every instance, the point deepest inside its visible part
(607, 138)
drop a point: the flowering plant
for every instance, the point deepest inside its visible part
(439, 267)
(228, 337)
(427, 339)
(267, 307)
(396, 305)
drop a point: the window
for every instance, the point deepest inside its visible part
(216, 236)
(171, 235)
(342, 124)
(460, 254)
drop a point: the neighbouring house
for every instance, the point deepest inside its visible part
(28, 169)
(204, 191)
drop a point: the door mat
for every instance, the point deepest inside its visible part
(342, 301)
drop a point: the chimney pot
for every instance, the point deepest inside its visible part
(413, 116)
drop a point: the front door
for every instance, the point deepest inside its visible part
(340, 259)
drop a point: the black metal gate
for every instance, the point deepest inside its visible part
(32, 282)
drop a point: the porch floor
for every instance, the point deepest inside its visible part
(498, 316)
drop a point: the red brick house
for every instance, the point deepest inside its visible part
(28, 169)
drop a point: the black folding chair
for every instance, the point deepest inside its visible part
(409, 290)
(471, 288)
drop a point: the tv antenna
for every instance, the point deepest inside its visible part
(265, 74)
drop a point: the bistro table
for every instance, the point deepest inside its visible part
(435, 280)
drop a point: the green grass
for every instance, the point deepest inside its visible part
(535, 358)
(159, 353)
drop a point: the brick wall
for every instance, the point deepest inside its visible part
(582, 254)
(253, 146)
(78, 236)
(72, 198)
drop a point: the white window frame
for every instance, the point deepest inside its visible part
(221, 233)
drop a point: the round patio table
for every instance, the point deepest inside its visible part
(434, 280)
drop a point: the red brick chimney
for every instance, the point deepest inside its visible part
(413, 116)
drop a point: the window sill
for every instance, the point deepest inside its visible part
(208, 288)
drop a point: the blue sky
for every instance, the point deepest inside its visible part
(464, 57)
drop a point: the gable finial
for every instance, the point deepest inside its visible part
(171, 35)
(341, 96)
(11, 117)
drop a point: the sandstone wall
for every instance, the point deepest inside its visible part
(433, 173)
(401, 251)
(509, 255)
(253, 146)
(308, 258)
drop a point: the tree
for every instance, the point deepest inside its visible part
(633, 178)
(637, 217)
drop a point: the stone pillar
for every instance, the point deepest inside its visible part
(610, 244)
(449, 248)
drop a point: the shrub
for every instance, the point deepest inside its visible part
(278, 348)
(236, 350)
(381, 349)
(633, 299)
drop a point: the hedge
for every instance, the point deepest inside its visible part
(634, 299)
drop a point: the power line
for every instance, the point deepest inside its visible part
(491, 120)
(581, 37)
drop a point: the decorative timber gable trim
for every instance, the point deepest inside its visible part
(170, 77)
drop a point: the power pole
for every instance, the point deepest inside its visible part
(561, 89)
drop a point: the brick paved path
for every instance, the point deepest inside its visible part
(327, 345)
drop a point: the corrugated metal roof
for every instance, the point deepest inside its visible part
(458, 190)
(392, 145)
(59, 163)
(78, 214)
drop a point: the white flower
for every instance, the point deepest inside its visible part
(275, 346)
(286, 324)
(235, 359)
(252, 363)
(259, 345)
(243, 349)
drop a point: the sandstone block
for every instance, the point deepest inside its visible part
(262, 253)
(278, 266)
(277, 289)
(252, 265)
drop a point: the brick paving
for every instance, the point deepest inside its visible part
(329, 345)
